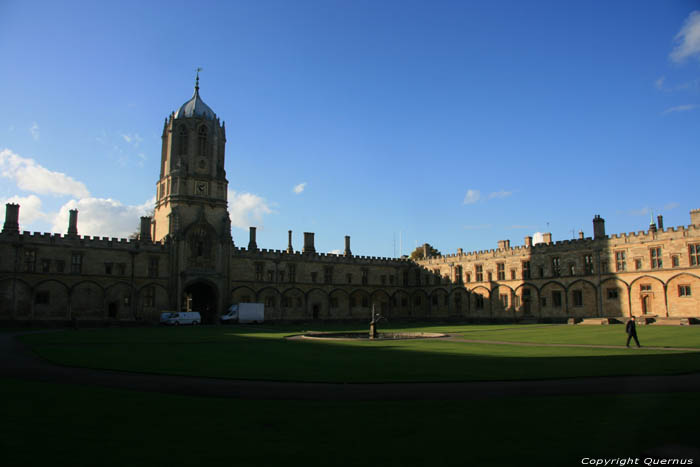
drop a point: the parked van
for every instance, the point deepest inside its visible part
(165, 315)
(244, 313)
(184, 317)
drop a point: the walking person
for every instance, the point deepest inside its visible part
(631, 331)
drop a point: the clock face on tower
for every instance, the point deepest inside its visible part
(201, 188)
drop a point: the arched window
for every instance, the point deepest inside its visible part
(182, 140)
(203, 141)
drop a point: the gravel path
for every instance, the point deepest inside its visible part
(17, 361)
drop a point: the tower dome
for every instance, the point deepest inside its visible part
(195, 107)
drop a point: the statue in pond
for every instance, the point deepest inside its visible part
(373, 324)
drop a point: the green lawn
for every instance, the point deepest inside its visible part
(62, 424)
(262, 353)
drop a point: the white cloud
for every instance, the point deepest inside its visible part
(680, 108)
(29, 208)
(500, 194)
(298, 189)
(132, 138)
(472, 196)
(659, 83)
(32, 177)
(34, 130)
(247, 209)
(537, 237)
(687, 39)
(639, 212)
(335, 252)
(102, 217)
(670, 206)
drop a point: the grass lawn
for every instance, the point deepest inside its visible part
(262, 353)
(63, 424)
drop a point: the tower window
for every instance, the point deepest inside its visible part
(182, 140)
(202, 140)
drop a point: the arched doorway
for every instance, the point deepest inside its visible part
(201, 297)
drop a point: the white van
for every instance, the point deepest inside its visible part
(184, 317)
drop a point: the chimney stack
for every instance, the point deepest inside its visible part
(460, 252)
(308, 243)
(528, 242)
(73, 222)
(660, 222)
(501, 244)
(426, 252)
(145, 235)
(580, 234)
(347, 246)
(598, 227)
(11, 218)
(289, 246)
(252, 246)
(547, 238)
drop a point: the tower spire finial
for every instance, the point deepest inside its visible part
(196, 83)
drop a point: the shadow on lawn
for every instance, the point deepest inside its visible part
(235, 352)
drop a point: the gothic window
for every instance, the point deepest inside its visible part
(479, 271)
(292, 272)
(479, 301)
(694, 253)
(328, 274)
(526, 269)
(578, 298)
(656, 261)
(45, 265)
(588, 264)
(152, 267)
(76, 263)
(620, 264)
(501, 271)
(556, 299)
(202, 141)
(60, 265)
(458, 274)
(182, 140)
(29, 260)
(149, 297)
(684, 291)
(556, 267)
(365, 278)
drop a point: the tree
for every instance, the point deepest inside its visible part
(418, 252)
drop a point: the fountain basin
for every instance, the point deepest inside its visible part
(365, 335)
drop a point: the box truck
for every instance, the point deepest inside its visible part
(244, 313)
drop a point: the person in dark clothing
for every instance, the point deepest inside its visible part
(631, 330)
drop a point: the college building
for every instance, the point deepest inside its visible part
(185, 258)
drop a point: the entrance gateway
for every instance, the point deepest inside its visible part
(201, 297)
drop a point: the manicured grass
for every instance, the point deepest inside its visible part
(262, 353)
(62, 424)
(650, 336)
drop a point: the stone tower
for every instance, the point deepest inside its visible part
(192, 187)
(191, 208)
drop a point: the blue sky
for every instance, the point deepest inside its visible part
(456, 123)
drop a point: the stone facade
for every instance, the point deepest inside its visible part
(654, 272)
(185, 258)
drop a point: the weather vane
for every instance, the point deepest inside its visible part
(196, 85)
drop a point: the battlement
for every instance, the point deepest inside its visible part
(334, 258)
(79, 241)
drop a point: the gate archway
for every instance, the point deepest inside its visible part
(202, 297)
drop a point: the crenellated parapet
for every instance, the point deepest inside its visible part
(284, 255)
(83, 241)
